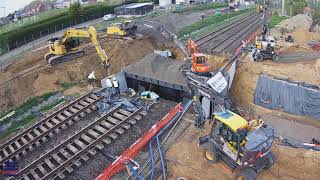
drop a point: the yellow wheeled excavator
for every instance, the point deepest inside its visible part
(67, 47)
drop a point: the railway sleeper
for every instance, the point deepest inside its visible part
(72, 148)
(60, 175)
(64, 126)
(132, 121)
(78, 162)
(88, 110)
(100, 128)
(99, 146)
(119, 116)
(119, 130)
(55, 120)
(11, 148)
(69, 169)
(64, 153)
(106, 140)
(113, 135)
(76, 118)
(61, 117)
(79, 143)
(93, 107)
(70, 122)
(73, 110)
(92, 152)
(107, 124)
(79, 106)
(42, 169)
(127, 113)
(93, 133)
(85, 157)
(125, 125)
(113, 120)
(82, 114)
(34, 174)
(49, 164)
(57, 158)
(83, 103)
(67, 113)
(49, 124)
(137, 117)
(30, 136)
(42, 128)
(86, 138)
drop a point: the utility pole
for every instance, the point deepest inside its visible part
(4, 11)
(282, 7)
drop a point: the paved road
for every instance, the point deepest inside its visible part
(8, 58)
(299, 57)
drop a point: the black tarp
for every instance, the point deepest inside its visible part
(289, 96)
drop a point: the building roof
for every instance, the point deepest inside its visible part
(133, 5)
(232, 120)
(138, 5)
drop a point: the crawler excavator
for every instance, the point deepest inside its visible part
(67, 47)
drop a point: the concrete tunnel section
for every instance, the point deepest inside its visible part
(159, 74)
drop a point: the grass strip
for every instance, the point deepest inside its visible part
(275, 20)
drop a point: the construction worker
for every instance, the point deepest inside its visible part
(115, 84)
(92, 78)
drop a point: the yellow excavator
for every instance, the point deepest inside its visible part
(67, 47)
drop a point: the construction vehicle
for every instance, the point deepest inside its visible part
(122, 29)
(242, 145)
(67, 47)
(198, 60)
(264, 46)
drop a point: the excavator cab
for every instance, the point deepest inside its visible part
(199, 60)
(199, 63)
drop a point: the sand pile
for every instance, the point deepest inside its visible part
(297, 21)
(298, 26)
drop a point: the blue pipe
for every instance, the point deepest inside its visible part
(135, 172)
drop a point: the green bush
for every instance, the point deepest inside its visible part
(211, 20)
(275, 19)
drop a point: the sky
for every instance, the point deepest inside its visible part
(12, 5)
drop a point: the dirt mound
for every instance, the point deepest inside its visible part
(120, 52)
(297, 21)
(298, 27)
(248, 72)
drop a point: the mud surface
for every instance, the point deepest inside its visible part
(186, 159)
(47, 79)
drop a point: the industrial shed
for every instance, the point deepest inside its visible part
(134, 9)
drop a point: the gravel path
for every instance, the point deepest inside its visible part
(298, 56)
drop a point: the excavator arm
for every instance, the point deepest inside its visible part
(88, 33)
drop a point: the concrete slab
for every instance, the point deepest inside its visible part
(159, 70)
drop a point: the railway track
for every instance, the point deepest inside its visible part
(215, 42)
(238, 34)
(208, 37)
(26, 141)
(79, 147)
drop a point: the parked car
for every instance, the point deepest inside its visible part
(108, 17)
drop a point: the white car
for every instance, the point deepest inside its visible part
(108, 17)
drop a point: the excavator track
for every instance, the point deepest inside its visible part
(59, 59)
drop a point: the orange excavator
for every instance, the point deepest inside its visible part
(198, 60)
